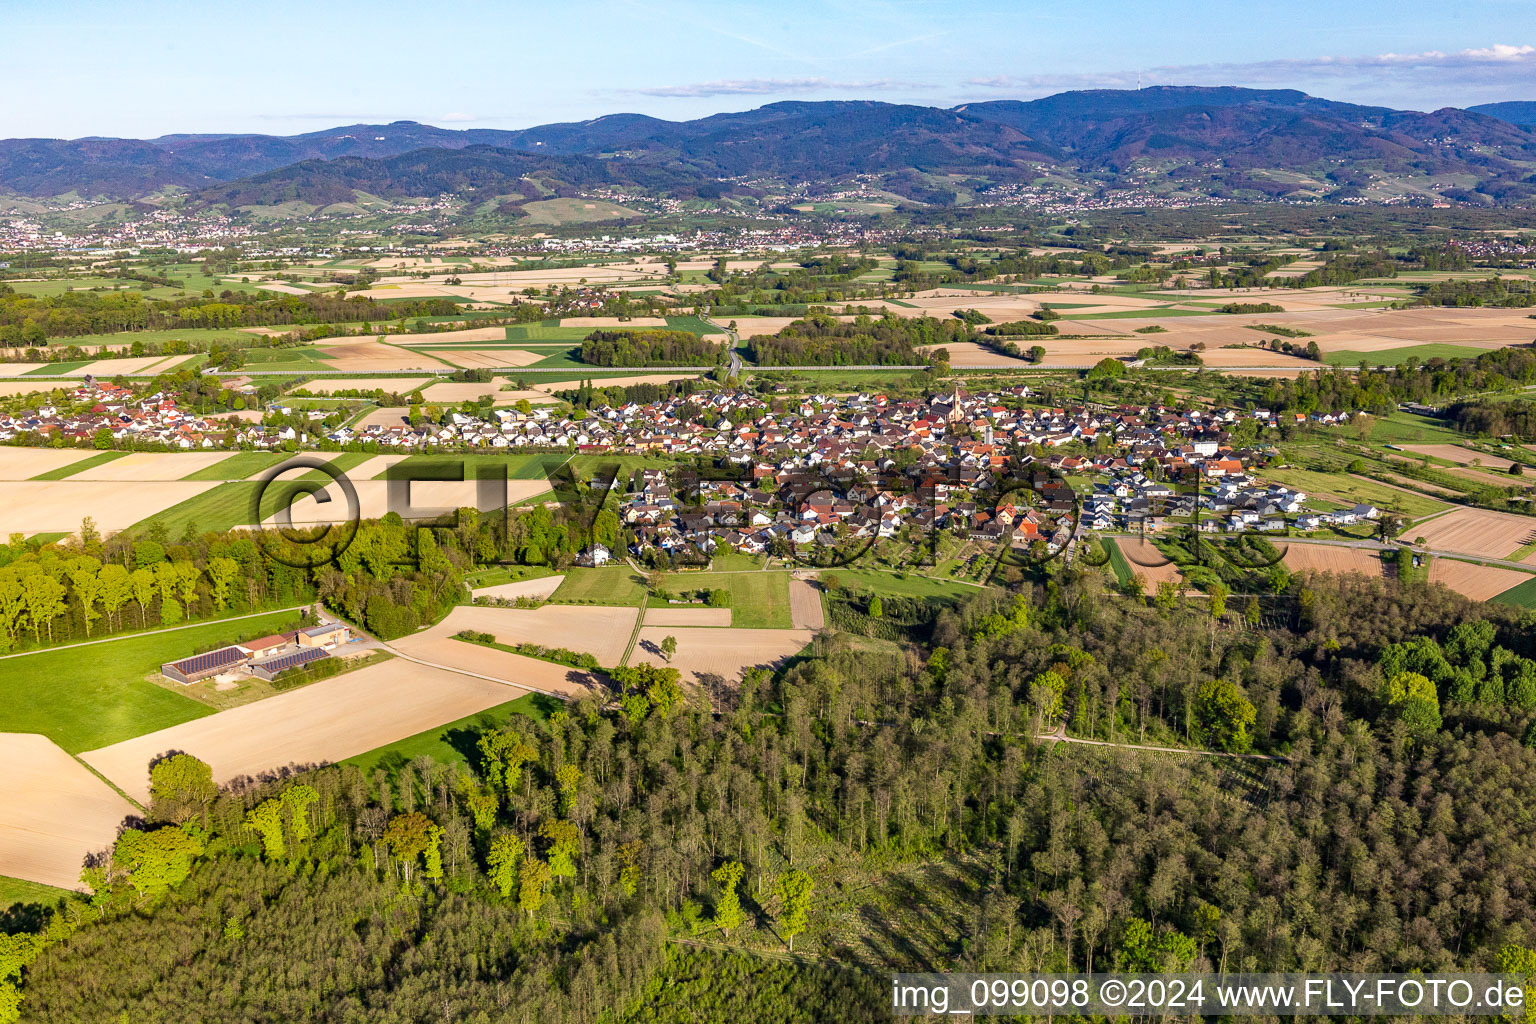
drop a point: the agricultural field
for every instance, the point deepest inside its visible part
(53, 812)
(726, 653)
(93, 694)
(758, 600)
(329, 720)
(1478, 532)
(1478, 582)
(618, 585)
(1334, 558)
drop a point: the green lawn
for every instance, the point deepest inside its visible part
(454, 743)
(19, 890)
(910, 585)
(759, 600)
(609, 585)
(63, 472)
(1357, 489)
(89, 696)
(1521, 595)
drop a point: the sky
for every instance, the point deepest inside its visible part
(75, 68)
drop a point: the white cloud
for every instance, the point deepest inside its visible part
(1504, 69)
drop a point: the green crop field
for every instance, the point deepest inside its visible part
(239, 466)
(455, 742)
(1394, 356)
(85, 697)
(694, 324)
(1521, 595)
(55, 369)
(64, 472)
(546, 330)
(609, 585)
(1404, 428)
(759, 600)
(221, 508)
(19, 890)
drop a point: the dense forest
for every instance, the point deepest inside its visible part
(1516, 419)
(650, 348)
(606, 861)
(821, 340)
(1433, 381)
(32, 320)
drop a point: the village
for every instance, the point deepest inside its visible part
(818, 470)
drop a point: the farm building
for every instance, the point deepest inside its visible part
(266, 644)
(268, 668)
(201, 666)
(328, 635)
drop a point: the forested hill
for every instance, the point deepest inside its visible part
(1098, 133)
(1515, 112)
(890, 809)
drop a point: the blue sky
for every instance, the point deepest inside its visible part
(148, 67)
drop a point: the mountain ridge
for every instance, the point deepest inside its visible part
(1180, 133)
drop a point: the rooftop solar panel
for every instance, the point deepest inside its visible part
(212, 659)
(291, 660)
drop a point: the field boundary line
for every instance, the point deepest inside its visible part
(153, 632)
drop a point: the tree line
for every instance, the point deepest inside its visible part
(650, 348)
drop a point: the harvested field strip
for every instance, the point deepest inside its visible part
(146, 466)
(722, 653)
(805, 608)
(1334, 558)
(601, 631)
(45, 506)
(25, 464)
(1477, 532)
(704, 617)
(90, 462)
(330, 720)
(539, 590)
(1147, 562)
(53, 812)
(1478, 582)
